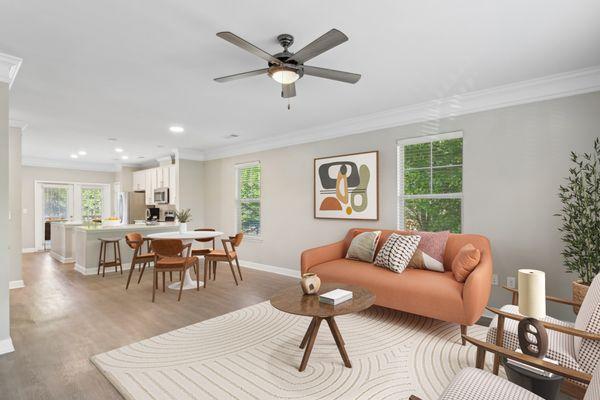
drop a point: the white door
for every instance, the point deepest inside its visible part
(56, 203)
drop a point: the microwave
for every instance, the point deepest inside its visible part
(161, 196)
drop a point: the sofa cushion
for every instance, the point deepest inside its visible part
(465, 262)
(432, 294)
(397, 252)
(363, 246)
(430, 252)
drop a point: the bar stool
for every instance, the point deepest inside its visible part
(116, 262)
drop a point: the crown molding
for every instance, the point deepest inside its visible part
(14, 123)
(546, 88)
(189, 154)
(9, 68)
(67, 164)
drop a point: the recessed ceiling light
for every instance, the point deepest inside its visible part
(82, 152)
(232, 136)
(140, 157)
(124, 157)
(118, 150)
(112, 139)
(160, 146)
(176, 129)
(74, 156)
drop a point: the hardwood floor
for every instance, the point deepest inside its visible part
(61, 318)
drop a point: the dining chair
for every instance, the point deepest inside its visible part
(136, 242)
(169, 257)
(204, 252)
(228, 254)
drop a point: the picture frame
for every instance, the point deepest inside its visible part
(346, 186)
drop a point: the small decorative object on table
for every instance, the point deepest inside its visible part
(183, 216)
(532, 304)
(310, 283)
(336, 296)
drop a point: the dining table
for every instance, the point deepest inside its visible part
(186, 237)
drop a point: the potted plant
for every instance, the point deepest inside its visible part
(580, 217)
(183, 216)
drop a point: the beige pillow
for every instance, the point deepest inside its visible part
(363, 246)
(465, 261)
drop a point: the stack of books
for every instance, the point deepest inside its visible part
(336, 296)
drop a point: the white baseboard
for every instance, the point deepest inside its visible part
(6, 346)
(271, 268)
(16, 284)
(28, 250)
(61, 259)
(94, 270)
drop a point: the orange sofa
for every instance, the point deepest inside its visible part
(432, 294)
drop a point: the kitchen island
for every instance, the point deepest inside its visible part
(87, 245)
(62, 237)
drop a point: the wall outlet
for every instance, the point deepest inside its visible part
(495, 279)
(511, 282)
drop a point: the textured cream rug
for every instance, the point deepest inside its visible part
(253, 354)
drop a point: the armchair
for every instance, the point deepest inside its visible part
(575, 346)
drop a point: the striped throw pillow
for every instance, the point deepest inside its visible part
(397, 252)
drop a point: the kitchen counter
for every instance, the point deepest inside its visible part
(87, 245)
(61, 240)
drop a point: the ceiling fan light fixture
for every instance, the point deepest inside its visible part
(283, 75)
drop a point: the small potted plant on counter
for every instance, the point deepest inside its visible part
(580, 217)
(183, 216)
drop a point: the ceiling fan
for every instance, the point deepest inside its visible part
(287, 67)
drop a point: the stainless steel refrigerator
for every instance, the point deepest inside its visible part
(131, 206)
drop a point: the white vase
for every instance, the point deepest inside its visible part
(183, 227)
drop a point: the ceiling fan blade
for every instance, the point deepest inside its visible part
(248, 74)
(336, 75)
(249, 47)
(320, 45)
(288, 91)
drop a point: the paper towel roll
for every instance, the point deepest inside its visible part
(532, 293)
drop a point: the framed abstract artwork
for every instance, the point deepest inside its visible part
(347, 186)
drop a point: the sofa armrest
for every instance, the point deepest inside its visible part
(319, 255)
(476, 291)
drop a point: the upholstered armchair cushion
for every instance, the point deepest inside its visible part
(476, 384)
(588, 319)
(561, 346)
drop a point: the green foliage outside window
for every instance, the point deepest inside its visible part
(433, 168)
(249, 198)
(91, 203)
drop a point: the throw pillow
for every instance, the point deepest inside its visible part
(430, 253)
(465, 262)
(363, 246)
(397, 252)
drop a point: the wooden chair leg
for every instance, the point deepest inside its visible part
(115, 256)
(215, 270)
(118, 244)
(131, 269)
(154, 284)
(171, 276)
(181, 286)
(197, 268)
(238, 267)
(480, 360)
(233, 272)
(163, 274)
(104, 261)
(499, 342)
(99, 256)
(463, 331)
(142, 272)
(206, 270)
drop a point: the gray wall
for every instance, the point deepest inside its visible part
(191, 188)
(4, 228)
(31, 174)
(15, 204)
(514, 160)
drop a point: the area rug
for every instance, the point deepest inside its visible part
(253, 353)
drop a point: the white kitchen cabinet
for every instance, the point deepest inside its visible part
(149, 177)
(139, 180)
(172, 172)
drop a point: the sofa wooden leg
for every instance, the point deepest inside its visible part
(463, 331)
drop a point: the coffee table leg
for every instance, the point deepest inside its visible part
(339, 341)
(310, 344)
(308, 333)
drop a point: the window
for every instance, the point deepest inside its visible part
(56, 202)
(430, 183)
(248, 198)
(92, 199)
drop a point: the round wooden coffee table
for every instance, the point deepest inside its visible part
(293, 301)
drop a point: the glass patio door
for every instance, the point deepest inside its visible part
(57, 202)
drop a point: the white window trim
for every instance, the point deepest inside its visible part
(238, 201)
(400, 169)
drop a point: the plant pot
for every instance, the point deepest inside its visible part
(579, 291)
(310, 283)
(182, 227)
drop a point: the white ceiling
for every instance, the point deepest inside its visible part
(130, 69)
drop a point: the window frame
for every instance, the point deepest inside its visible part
(401, 197)
(239, 201)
